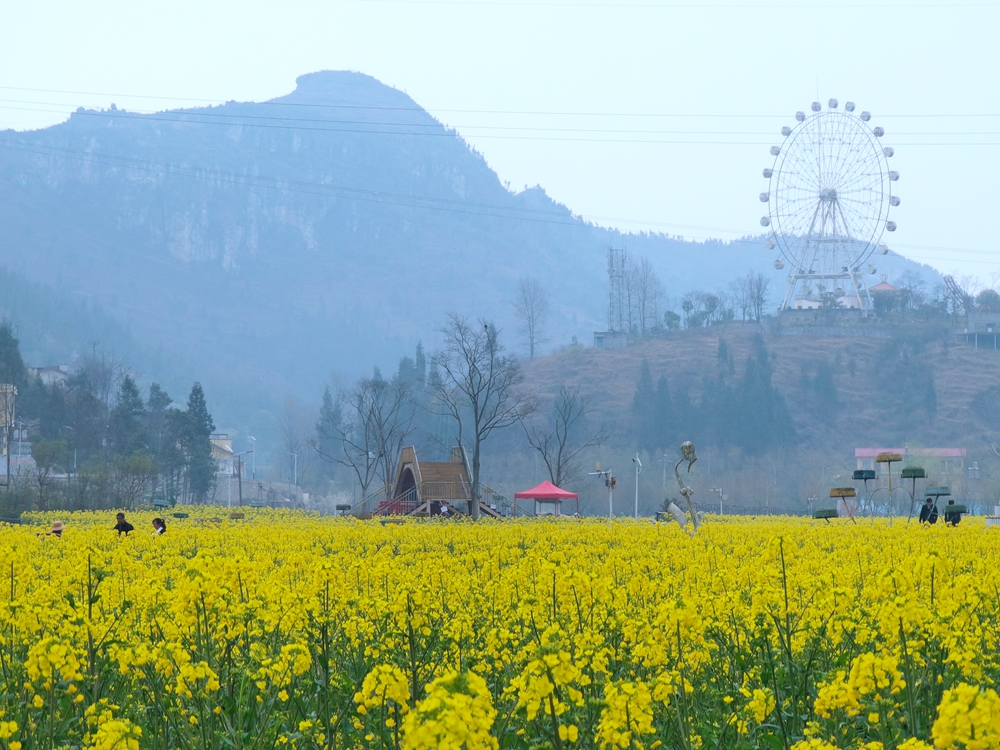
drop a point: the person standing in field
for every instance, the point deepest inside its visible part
(159, 527)
(122, 526)
(929, 513)
(951, 517)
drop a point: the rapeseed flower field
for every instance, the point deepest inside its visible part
(285, 630)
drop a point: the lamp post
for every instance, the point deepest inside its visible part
(721, 497)
(253, 457)
(295, 470)
(239, 474)
(638, 470)
(609, 482)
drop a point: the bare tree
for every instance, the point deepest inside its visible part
(531, 305)
(294, 424)
(749, 292)
(740, 289)
(377, 417)
(646, 295)
(133, 477)
(564, 436)
(479, 386)
(758, 285)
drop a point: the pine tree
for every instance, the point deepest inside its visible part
(157, 404)
(643, 404)
(825, 390)
(12, 369)
(128, 420)
(762, 419)
(330, 420)
(664, 419)
(421, 365)
(198, 445)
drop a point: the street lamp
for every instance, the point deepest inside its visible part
(721, 497)
(638, 470)
(610, 483)
(253, 458)
(239, 475)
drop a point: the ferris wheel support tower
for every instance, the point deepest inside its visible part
(829, 194)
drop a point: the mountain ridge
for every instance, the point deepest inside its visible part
(263, 246)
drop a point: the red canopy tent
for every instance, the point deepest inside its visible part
(547, 491)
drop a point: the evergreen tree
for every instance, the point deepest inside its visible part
(930, 395)
(716, 412)
(762, 419)
(12, 369)
(157, 404)
(331, 418)
(421, 366)
(825, 390)
(685, 415)
(198, 445)
(643, 405)
(128, 420)
(664, 419)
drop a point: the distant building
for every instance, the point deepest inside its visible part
(813, 299)
(8, 395)
(50, 374)
(982, 329)
(222, 454)
(610, 339)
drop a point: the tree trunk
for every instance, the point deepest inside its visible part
(474, 502)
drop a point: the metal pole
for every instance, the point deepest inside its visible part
(638, 469)
(253, 456)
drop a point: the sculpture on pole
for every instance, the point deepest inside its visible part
(687, 454)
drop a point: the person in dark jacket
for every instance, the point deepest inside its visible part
(159, 527)
(929, 512)
(122, 526)
(950, 516)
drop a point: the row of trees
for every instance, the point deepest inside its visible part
(468, 391)
(646, 309)
(746, 412)
(745, 299)
(96, 442)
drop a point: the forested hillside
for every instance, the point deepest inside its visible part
(781, 414)
(258, 247)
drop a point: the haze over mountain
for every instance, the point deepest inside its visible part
(259, 247)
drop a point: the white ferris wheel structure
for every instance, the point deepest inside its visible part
(828, 199)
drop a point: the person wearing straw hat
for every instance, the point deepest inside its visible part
(57, 529)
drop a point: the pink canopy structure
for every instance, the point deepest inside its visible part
(545, 495)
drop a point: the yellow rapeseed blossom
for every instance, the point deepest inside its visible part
(457, 714)
(306, 632)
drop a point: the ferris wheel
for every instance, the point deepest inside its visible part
(828, 200)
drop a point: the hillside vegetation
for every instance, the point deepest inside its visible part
(914, 388)
(260, 246)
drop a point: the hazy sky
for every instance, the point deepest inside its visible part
(555, 90)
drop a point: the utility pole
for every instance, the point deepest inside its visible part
(609, 482)
(239, 475)
(721, 497)
(638, 470)
(295, 470)
(253, 457)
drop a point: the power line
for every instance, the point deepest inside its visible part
(421, 202)
(417, 108)
(239, 117)
(447, 132)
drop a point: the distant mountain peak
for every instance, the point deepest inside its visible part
(345, 87)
